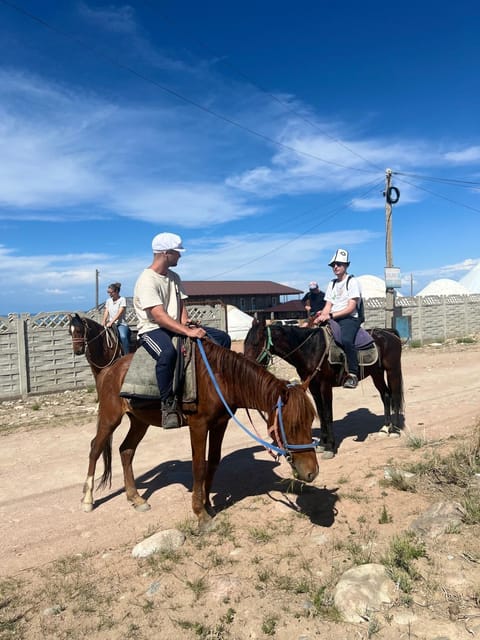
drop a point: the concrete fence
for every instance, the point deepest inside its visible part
(36, 354)
(430, 318)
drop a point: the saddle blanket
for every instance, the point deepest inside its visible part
(367, 351)
(362, 340)
(141, 380)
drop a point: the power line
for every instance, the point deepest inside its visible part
(172, 92)
(255, 84)
(438, 195)
(451, 181)
(374, 185)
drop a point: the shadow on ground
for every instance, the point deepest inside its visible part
(239, 476)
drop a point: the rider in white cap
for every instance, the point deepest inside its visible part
(161, 314)
(342, 297)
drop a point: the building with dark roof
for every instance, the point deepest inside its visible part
(248, 295)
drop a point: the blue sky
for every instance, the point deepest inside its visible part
(258, 131)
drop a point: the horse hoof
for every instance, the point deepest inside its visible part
(328, 455)
(206, 525)
(144, 506)
(87, 507)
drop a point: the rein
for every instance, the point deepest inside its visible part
(111, 339)
(266, 353)
(278, 426)
(269, 344)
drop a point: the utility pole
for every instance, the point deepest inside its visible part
(390, 292)
(97, 273)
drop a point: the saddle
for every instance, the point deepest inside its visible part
(140, 383)
(365, 346)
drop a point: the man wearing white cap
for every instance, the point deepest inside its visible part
(161, 314)
(342, 297)
(314, 299)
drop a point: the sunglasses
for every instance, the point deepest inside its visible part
(338, 264)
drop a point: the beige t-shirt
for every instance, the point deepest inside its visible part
(152, 289)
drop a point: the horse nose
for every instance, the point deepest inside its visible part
(312, 475)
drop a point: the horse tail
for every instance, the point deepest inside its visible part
(107, 465)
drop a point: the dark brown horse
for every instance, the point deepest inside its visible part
(242, 383)
(101, 346)
(306, 349)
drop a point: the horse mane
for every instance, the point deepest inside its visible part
(260, 388)
(253, 379)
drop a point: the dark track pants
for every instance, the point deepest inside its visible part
(159, 345)
(349, 327)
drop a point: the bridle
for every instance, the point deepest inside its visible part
(111, 339)
(267, 356)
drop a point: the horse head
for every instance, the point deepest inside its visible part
(256, 344)
(291, 430)
(78, 332)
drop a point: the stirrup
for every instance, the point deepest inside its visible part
(351, 382)
(170, 416)
(170, 420)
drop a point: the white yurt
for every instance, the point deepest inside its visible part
(471, 280)
(238, 322)
(372, 286)
(443, 287)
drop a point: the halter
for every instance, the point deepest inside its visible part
(266, 353)
(111, 338)
(277, 429)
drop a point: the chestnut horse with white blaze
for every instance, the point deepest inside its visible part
(242, 383)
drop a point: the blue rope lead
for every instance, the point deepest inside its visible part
(272, 447)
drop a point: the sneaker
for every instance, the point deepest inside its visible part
(170, 417)
(351, 382)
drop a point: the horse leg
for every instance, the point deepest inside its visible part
(198, 439)
(379, 382)
(215, 440)
(101, 443)
(108, 419)
(322, 396)
(326, 419)
(395, 384)
(127, 450)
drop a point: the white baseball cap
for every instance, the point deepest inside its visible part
(167, 242)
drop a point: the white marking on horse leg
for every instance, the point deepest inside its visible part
(87, 500)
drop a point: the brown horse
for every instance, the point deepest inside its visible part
(100, 345)
(307, 350)
(242, 383)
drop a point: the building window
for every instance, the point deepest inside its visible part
(274, 301)
(242, 304)
(253, 304)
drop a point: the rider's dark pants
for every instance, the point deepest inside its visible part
(349, 327)
(159, 345)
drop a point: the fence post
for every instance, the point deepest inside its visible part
(22, 354)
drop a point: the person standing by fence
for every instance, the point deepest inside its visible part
(115, 314)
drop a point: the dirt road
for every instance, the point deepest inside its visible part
(43, 469)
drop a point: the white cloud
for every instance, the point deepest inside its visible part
(466, 156)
